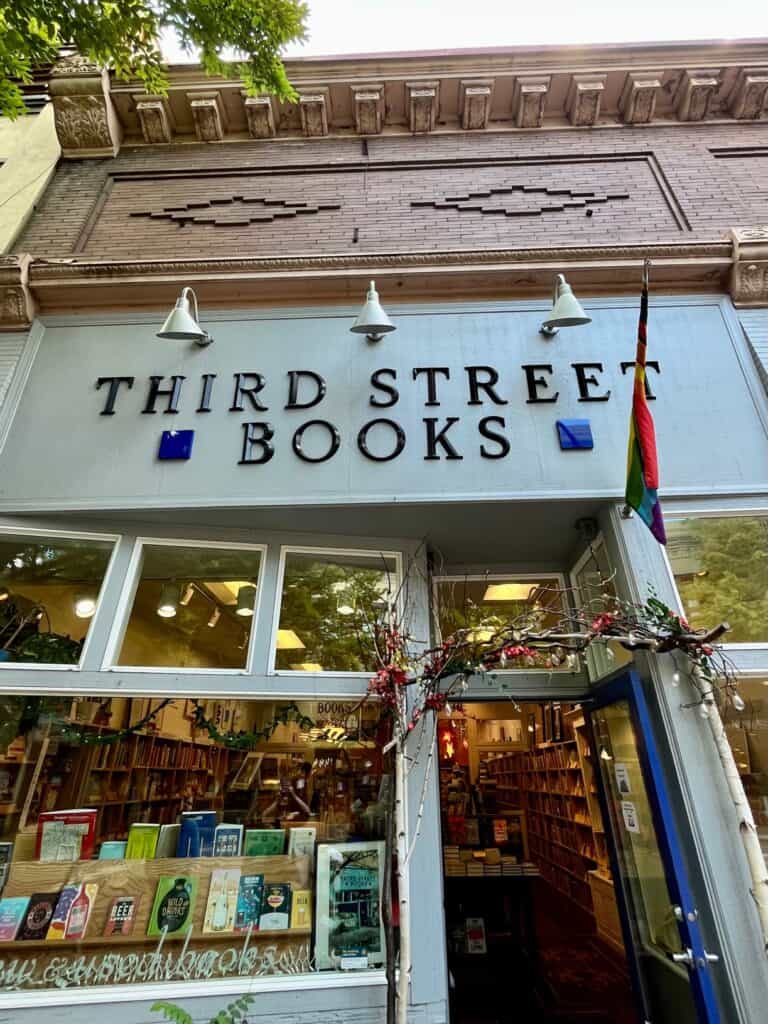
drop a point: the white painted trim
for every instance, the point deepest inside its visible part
(171, 991)
(18, 384)
(128, 594)
(285, 550)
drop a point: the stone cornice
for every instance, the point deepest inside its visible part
(523, 89)
(53, 286)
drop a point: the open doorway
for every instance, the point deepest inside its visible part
(533, 930)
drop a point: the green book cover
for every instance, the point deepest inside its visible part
(142, 841)
(173, 906)
(264, 842)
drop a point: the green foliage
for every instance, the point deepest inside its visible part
(232, 1014)
(731, 553)
(123, 35)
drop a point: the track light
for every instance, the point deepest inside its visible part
(566, 310)
(215, 616)
(181, 325)
(186, 597)
(373, 322)
(4, 593)
(85, 605)
(246, 597)
(168, 604)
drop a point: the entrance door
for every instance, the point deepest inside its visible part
(662, 932)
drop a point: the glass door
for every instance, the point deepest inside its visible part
(660, 921)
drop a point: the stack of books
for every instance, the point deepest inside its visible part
(454, 865)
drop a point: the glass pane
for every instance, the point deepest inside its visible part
(650, 906)
(592, 582)
(720, 566)
(485, 605)
(127, 823)
(49, 591)
(747, 733)
(328, 608)
(193, 608)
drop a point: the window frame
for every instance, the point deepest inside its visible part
(730, 512)
(288, 549)
(92, 631)
(127, 596)
(505, 577)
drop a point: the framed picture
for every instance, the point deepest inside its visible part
(349, 932)
(248, 771)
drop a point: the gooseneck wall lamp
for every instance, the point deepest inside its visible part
(181, 325)
(566, 310)
(373, 322)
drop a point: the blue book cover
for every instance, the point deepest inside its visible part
(113, 850)
(249, 897)
(196, 838)
(228, 840)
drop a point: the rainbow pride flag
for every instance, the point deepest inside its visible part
(642, 461)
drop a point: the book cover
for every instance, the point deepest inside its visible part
(197, 834)
(173, 905)
(80, 914)
(36, 920)
(264, 842)
(122, 915)
(249, 896)
(275, 907)
(227, 840)
(12, 911)
(6, 856)
(58, 926)
(66, 835)
(167, 841)
(113, 850)
(142, 841)
(301, 843)
(222, 901)
(301, 909)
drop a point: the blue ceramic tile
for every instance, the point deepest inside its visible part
(574, 434)
(176, 444)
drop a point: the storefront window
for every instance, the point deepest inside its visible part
(484, 605)
(244, 838)
(593, 580)
(49, 592)
(747, 733)
(329, 606)
(720, 566)
(193, 607)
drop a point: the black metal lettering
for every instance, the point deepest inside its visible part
(173, 393)
(388, 389)
(533, 382)
(649, 363)
(476, 386)
(252, 440)
(362, 440)
(114, 387)
(205, 395)
(242, 391)
(585, 380)
(294, 379)
(298, 437)
(435, 438)
(432, 372)
(501, 441)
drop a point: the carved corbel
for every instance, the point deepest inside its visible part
(748, 97)
(155, 117)
(314, 112)
(585, 93)
(17, 304)
(529, 100)
(260, 116)
(749, 275)
(209, 115)
(85, 119)
(423, 101)
(637, 103)
(475, 103)
(694, 94)
(368, 101)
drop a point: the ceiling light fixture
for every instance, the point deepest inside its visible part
(168, 604)
(508, 591)
(181, 325)
(566, 310)
(372, 321)
(246, 598)
(85, 605)
(215, 616)
(186, 597)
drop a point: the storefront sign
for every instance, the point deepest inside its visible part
(455, 404)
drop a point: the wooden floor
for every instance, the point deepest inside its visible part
(566, 977)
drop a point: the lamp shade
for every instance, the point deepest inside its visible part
(566, 309)
(181, 324)
(372, 320)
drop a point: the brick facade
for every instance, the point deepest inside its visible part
(408, 194)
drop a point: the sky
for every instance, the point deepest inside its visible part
(380, 26)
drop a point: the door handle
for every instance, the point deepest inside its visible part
(686, 958)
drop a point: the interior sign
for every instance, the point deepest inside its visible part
(381, 438)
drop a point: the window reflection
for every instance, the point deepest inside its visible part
(193, 608)
(328, 609)
(49, 590)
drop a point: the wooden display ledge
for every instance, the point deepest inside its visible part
(139, 878)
